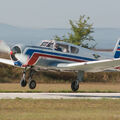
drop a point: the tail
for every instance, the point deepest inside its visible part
(117, 49)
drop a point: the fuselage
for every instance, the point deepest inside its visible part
(44, 56)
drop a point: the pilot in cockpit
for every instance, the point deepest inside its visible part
(57, 48)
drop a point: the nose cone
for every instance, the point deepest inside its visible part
(11, 52)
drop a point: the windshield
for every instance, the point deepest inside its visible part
(44, 44)
(50, 45)
(47, 44)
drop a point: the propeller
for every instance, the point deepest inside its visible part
(4, 47)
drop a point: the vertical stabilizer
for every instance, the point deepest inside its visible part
(117, 49)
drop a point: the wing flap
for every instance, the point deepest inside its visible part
(92, 66)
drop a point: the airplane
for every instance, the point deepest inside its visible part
(60, 56)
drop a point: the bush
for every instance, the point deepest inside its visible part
(11, 74)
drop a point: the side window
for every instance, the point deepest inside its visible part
(74, 50)
(57, 47)
(62, 47)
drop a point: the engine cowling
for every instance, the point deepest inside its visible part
(14, 50)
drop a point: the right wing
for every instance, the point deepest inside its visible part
(6, 61)
(91, 66)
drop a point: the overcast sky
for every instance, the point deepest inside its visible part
(56, 13)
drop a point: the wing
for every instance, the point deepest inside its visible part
(6, 61)
(92, 66)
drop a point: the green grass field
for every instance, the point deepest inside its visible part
(28, 109)
(61, 87)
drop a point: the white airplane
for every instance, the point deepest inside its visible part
(62, 56)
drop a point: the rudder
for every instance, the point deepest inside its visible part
(117, 49)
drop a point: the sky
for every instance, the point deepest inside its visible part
(57, 13)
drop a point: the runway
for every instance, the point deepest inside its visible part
(59, 95)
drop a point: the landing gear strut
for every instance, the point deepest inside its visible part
(23, 81)
(75, 84)
(31, 83)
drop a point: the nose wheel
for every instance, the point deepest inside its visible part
(31, 83)
(23, 83)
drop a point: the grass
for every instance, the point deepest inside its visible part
(28, 109)
(62, 87)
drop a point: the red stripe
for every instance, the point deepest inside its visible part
(117, 67)
(118, 49)
(36, 56)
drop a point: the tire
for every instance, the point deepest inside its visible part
(23, 83)
(75, 86)
(32, 84)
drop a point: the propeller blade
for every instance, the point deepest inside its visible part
(22, 58)
(4, 47)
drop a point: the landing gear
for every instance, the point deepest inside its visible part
(75, 84)
(32, 83)
(23, 81)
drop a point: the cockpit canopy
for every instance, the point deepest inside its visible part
(60, 46)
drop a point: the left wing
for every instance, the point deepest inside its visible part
(6, 61)
(91, 66)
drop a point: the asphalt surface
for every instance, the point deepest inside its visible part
(59, 95)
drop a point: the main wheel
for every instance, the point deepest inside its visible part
(75, 85)
(23, 83)
(32, 84)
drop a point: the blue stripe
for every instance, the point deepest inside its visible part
(18, 63)
(31, 51)
(117, 54)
